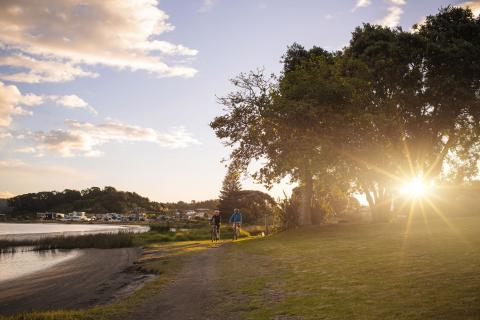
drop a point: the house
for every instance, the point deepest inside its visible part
(50, 215)
(76, 216)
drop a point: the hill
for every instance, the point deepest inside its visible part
(92, 200)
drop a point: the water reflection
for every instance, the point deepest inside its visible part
(22, 261)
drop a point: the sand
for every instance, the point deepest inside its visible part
(96, 276)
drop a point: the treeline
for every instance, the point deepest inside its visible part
(91, 200)
(193, 205)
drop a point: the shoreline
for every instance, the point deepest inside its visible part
(99, 228)
(94, 277)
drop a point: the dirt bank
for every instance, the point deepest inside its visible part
(96, 276)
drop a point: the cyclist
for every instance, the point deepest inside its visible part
(215, 222)
(236, 221)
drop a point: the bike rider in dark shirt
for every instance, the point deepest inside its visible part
(215, 220)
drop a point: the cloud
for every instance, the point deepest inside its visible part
(84, 139)
(36, 71)
(473, 5)
(6, 195)
(5, 135)
(392, 19)
(207, 5)
(40, 35)
(397, 2)
(72, 102)
(11, 100)
(362, 4)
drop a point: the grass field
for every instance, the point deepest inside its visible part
(414, 270)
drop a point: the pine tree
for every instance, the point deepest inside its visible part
(230, 188)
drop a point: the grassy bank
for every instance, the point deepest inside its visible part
(99, 241)
(164, 259)
(417, 270)
(160, 233)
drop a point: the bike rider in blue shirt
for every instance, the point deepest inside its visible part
(236, 221)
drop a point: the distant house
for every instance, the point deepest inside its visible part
(76, 216)
(50, 215)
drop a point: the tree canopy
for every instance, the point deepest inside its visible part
(93, 200)
(392, 105)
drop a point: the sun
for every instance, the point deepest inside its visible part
(416, 187)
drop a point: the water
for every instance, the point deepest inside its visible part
(21, 263)
(14, 231)
(24, 262)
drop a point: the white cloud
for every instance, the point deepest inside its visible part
(207, 5)
(473, 5)
(362, 4)
(72, 101)
(392, 19)
(74, 33)
(11, 100)
(81, 138)
(5, 135)
(35, 71)
(397, 2)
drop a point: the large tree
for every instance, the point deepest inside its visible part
(421, 106)
(393, 105)
(283, 121)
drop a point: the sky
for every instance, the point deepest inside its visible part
(121, 92)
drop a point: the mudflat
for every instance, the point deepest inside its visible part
(96, 276)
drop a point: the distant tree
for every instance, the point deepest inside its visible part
(254, 205)
(230, 189)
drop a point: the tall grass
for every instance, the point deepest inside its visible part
(99, 241)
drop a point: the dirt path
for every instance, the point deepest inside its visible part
(192, 296)
(97, 276)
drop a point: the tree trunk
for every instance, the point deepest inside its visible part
(380, 204)
(305, 217)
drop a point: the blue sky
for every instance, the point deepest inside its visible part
(117, 93)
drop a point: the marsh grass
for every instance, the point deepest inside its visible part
(99, 241)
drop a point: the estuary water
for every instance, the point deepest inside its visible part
(12, 231)
(23, 261)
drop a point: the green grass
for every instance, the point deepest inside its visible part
(158, 234)
(386, 271)
(161, 234)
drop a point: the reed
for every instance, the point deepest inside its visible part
(100, 241)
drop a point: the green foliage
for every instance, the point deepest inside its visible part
(391, 105)
(93, 200)
(163, 234)
(253, 205)
(183, 206)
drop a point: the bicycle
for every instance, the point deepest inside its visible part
(215, 233)
(236, 230)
